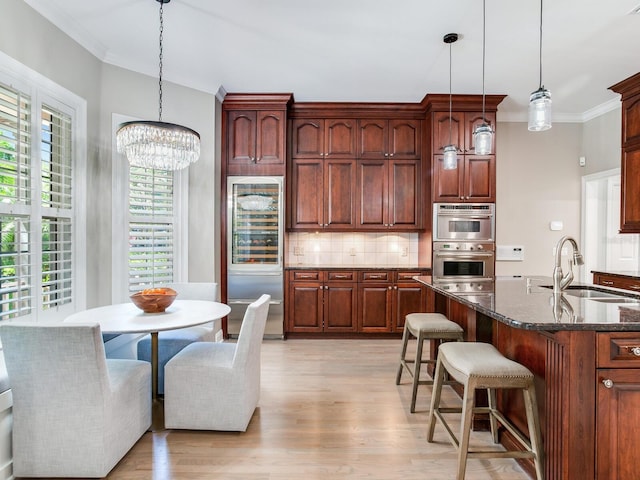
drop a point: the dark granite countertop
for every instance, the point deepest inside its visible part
(523, 302)
(633, 274)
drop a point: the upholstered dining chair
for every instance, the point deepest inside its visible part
(172, 341)
(216, 386)
(75, 412)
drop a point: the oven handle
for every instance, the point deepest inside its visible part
(464, 217)
(455, 255)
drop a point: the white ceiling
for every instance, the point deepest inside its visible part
(370, 50)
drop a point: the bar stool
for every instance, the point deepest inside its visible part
(481, 365)
(424, 326)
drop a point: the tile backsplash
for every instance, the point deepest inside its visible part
(331, 249)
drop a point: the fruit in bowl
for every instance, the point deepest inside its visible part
(154, 300)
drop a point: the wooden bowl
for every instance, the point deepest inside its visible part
(154, 300)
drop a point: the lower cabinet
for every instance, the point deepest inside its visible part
(358, 301)
(618, 405)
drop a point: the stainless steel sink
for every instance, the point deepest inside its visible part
(592, 293)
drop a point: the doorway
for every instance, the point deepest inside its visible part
(603, 247)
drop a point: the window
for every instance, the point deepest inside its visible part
(149, 240)
(39, 220)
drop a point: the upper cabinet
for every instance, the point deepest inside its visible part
(630, 171)
(474, 180)
(382, 138)
(254, 133)
(323, 138)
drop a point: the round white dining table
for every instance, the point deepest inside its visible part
(127, 318)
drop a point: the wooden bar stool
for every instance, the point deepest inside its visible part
(424, 326)
(481, 365)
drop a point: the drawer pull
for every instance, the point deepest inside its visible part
(608, 383)
(341, 276)
(634, 287)
(606, 282)
(634, 350)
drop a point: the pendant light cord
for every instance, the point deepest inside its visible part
(450, 102)
(540, 44)
(160, 64)
(484, 28)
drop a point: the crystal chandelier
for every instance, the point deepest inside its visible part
(159, 145)
(483, 134)
(450, 160)
(540, 100)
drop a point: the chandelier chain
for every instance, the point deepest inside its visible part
(484, 28)
(160, 65)
(450, 102)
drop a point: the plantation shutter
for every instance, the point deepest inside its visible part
(16, 290)
(151, 228)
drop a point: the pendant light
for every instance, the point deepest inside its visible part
(159, 145)
(540, 100)
(450, 161)
(483, 134)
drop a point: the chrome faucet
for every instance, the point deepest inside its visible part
(560, 280)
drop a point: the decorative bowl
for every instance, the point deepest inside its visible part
(154, 300)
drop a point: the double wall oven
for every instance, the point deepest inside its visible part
(463, 243)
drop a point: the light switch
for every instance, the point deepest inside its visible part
(510, 253)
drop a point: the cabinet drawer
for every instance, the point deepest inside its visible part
(376, 276)
(616, 282)
(306, 275)
(341, 276)
(619, 350)
(408, 276)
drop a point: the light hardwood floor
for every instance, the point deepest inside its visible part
(329, 409)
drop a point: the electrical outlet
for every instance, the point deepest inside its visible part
(298, 251)
(405, 251)
(352, 252)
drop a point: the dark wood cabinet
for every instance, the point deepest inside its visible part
(473, 181)
(389, 194)
(460, 132)
(351, 301)
(254, 133)
(630, 162)
(323, 138)
(323, 194)
(384, 138)
(618, 405)
(616, 281)
(321, 301)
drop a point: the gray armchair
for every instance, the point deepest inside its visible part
(75, 412)
(216, 386)
(172, 341)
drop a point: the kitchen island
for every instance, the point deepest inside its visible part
(584, 349)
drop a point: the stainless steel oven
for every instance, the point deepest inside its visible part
(458, 261)
(463, 222)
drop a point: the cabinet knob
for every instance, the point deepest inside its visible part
(253, 159)
(391, 154)
(389, 287)
(634, 350)
(386, 155)
(608, 383)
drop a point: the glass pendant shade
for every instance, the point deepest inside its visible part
(540, 110)
(450, 161)
(483, 139)
(160, 145)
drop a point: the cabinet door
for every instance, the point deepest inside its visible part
(373, 193)
(404, 139)
(340, 138)
(306, 208)
(375, 307)
(447, 184)
(305, 307)
(241, 137)
(404, 205)
(617, 424)
(270, 134)
(409, 297)
(479, 178)
(373, 136)
(630, 208)
(445, 134)
(307, 138)
(473, 120)
(340, 194)
(340, 307)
